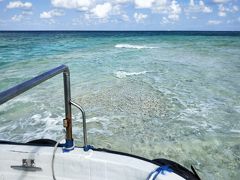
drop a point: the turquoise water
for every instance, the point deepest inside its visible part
(169, 95)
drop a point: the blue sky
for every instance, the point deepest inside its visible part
(120, 15)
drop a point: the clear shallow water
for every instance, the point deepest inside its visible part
(172, 95)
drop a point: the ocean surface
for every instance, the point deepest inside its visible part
(172, 95)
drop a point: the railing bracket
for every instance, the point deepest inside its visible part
(65, 123)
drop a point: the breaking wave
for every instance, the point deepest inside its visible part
(123, 74)
(130, 46)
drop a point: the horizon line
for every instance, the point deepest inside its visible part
(124, 30)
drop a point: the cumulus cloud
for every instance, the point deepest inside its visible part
(198, 8)
(125, 17)
(214, 22)
(72, 4)
(122, 1)
(144, 3)
(174, 11)
(139, 17)
(165, 20)
(191, 3)
(154, 5)
(27, 13)
(17, 17)
(222, 10)
(51, 14)
(23, 15)
(220, 1)
(171, 8)
(204, 8)
(114, 8)
(102, 10)
(19, 4)
(160, 6)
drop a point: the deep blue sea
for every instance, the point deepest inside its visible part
(172, 95)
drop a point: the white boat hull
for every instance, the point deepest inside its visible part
(76, 164)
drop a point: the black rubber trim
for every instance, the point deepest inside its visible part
(43, 142)
(38, 142)
(194, 171)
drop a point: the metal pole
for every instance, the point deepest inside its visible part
(84, 122)
(68, 110)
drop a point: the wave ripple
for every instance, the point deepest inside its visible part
(130, 46)
(123, 74)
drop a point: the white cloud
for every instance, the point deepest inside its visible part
(143, 3)
(116, 10)
(26, 13)
(232, 9)
(122, 1)
(139, 17)
(204, 8)
(220, 1)
(19, 4)
(214, 22)
(50, 21)
(51, 14)
(102, 10)
(157, 6)
(171, 8)
(235, 9)
(160, 6)
(17, 17)
(197, 8)
(174, 11)
(191, 3)
(125, 17)
(222, 11)
(72, 4)
(23, 15)
(192, 17)
(165, 20)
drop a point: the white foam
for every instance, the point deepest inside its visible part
(20, 99)
(44, 125)
(237, 108)
(104, 121)
(130, 46)
(97, 119)
(235, 131)
(123, 74)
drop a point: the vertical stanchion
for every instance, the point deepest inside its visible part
(68, 111)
